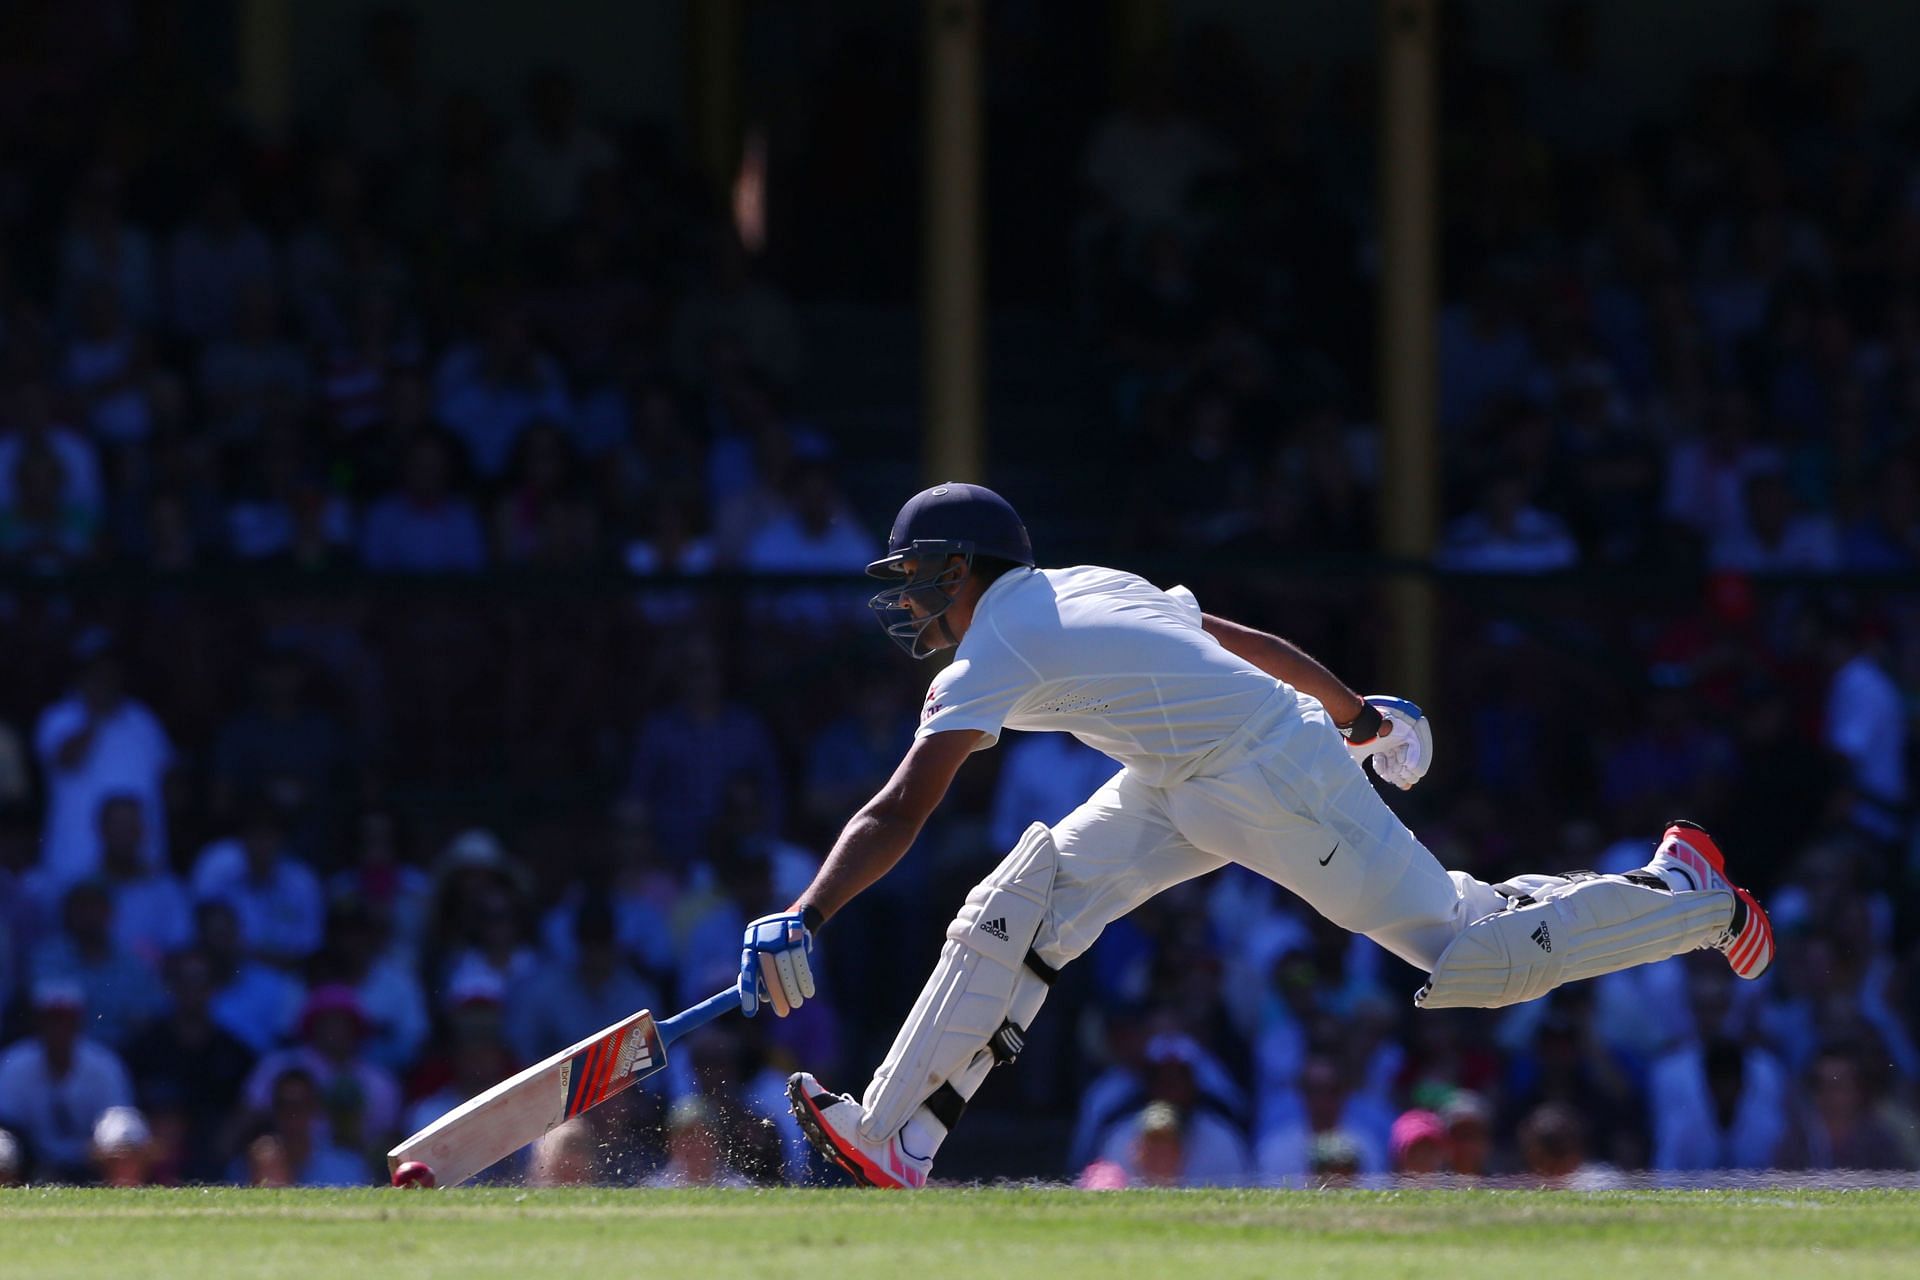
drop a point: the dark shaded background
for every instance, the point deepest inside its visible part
(361, 449)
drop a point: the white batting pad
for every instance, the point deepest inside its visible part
(1572, 929)
(980, 981)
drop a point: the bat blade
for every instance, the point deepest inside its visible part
(518, 1110)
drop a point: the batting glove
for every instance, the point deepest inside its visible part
(1395, 735)
(773, 964)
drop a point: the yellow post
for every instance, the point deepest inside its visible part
(952, 334)
(265, 93)
(715, 111)
(1409, 219)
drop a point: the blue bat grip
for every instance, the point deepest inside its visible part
(700, 1015)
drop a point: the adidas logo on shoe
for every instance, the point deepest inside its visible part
(997, 927)
(1543, 939)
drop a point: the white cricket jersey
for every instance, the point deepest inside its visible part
(1113, 660)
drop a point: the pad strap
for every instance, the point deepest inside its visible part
(1040, 968)
(947, 1106)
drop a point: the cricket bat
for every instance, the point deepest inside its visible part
(518, 1110)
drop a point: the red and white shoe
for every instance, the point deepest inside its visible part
(1686, 848)
(831, 1122)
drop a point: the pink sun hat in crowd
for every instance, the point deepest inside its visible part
(1411, 1127)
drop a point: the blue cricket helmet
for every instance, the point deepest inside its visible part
(952, 519)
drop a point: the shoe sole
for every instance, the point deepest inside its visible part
(1751, 953)
(814, 1125)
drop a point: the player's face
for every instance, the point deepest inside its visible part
(935, 637)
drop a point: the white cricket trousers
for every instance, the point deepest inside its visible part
(1298, 810)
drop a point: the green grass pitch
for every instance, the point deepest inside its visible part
(998, 1233)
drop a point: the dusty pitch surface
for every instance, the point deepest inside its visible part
(999, 1233)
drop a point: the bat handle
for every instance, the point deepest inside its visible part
(700, 1015)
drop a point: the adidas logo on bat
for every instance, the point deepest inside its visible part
(998, 928)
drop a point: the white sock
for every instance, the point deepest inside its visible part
(1676, 877)
(922, 1135)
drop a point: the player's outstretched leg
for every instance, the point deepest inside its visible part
(972, 1014)
(1558, 929)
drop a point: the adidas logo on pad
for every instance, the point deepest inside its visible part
(1543, 938)
(998, 928)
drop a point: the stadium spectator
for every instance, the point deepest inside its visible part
(284, 511)
(685, 752)
(1469, 1122)
(1567, 1064)
(817, 533)
(258, 1004)
(1043, 778)
(1553, 1152)
(1205, 1149)
(1507, 534)
(150, 908)
(295, 1147)
(1774, 538)
(1867, 727)
(277, 897)
(56, 1083)
(1836, 1127)
(489, 391)
(99, 246)
(553, 152)
(476, 1055)
(425, 525)
(281, 745)
(359, 954)
(33, 425)
(251, 377)
(635, 885)
(1418, 1145)
(368, 373)
(97, 742)
(187, 1066)
(543, 516)
(735, 313)
(565, 1001)
(123, 1148)
(380, 879)
(566, 1156)
(361, 1098)
(42, 529)
(1155, 1156)
(120, 990)
(212, 260)
(13, 1162)
(1323, 1102)
(695, 1156)
(1716, 1103)
(109, 366)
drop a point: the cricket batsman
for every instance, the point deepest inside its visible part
(1235, 746)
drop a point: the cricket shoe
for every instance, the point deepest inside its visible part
(1686, 850)
(831, 1122)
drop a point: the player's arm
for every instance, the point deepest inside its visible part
(887, 825)
(773, 961)
(1284, 660)
(1392, 732)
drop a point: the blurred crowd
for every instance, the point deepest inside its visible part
(291, 865)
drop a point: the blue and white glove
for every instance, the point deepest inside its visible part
(1395, 735)
(773, 964)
